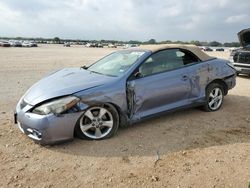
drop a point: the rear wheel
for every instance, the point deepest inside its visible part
(214, 97)
(98, 122)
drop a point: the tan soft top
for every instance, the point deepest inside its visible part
(192, 48)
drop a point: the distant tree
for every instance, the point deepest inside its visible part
(204, 43)
(195, 42)
(151, 41)
(166, 42)
(57, 40)
(179, 42)
(215, 44)
(134, 42)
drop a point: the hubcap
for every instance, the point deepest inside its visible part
(96, 123)
(215, 99)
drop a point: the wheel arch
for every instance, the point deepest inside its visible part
(222, 83)
(123, 120)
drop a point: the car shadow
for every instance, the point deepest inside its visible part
(181, 130)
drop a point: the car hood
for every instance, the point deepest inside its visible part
(64, 82)
(244, 37)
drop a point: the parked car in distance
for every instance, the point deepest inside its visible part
(219, 50)
(91, 45)
(207, 49)
(33, 44)
(240, 58)
(122, 88)
(26, 44)
(112, 46)
(94, 45)
(4, 43)
(99, 45)
(130, 46)
(66, 44)
(29, 44)
(15, 43)
(88, 45)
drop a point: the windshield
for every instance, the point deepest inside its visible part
(116, 64)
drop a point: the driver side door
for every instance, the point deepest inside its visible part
(161, 83)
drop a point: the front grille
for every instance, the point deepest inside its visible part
(23, 104)
(242, 58)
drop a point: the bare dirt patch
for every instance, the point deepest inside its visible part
(188, 148)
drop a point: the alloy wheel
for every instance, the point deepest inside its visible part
(215, 98)
(96, 123)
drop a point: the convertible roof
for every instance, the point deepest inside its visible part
(192, 48)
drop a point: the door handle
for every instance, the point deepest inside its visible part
(184, 77)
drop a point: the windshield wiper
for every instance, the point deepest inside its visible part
(102, 73)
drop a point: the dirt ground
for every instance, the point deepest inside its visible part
(188, 148)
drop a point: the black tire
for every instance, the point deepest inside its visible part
(115, 116)
(211, 88)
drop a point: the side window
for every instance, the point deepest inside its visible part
(188, 57)
(162, 61)
(166, 60)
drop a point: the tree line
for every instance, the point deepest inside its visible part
(194, 42)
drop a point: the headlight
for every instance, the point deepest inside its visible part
(57, 106)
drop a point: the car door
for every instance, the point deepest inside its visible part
(199, 75)
(161, 83)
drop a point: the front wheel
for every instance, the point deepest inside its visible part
(98, 122)
(214, 97)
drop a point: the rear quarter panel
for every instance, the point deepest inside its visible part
(203, 73)
(219, 69)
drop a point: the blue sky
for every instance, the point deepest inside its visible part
(125, 19)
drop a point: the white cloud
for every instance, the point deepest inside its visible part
(193, 23)
(125, 20)
(242, 18)
(208, 6)
(170, 10)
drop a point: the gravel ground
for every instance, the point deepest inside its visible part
(188, 148)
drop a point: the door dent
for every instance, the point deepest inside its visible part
(134, 101)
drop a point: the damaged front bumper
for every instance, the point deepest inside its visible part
(46, 129)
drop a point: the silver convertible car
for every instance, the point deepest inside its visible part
(122, 88)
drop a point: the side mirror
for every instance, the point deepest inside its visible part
(138, 75)
(84, 67)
